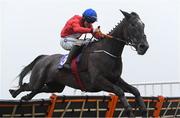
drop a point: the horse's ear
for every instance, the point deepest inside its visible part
(127, 15)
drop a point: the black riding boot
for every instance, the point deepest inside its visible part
(73, 53)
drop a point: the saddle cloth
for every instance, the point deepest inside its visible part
(62, 61)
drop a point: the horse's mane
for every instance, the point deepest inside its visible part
(114, 31)
(118, 26)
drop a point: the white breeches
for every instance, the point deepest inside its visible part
(68, 42)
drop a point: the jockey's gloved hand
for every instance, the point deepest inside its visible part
(97, 33)
(98, 36)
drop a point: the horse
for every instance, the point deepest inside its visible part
(99, 67)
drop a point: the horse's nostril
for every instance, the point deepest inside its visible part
(141, 46)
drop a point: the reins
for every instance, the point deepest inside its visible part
(116, 38)
(106, 52)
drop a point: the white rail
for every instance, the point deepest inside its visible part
(169, 89)
(166, 89)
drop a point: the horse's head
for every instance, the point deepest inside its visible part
(134, 32)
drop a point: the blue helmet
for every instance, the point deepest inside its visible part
(90, 15)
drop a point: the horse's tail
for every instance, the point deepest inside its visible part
(28, 68)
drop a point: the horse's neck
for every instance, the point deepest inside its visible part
(114, 46)
(118, 30)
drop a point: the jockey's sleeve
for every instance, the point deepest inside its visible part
(78, 29)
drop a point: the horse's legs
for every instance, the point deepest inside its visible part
(131, 89)
(24, 87)
(30, 95)
(109, 87)
(53, 87)
(45, 88)
(33, 93)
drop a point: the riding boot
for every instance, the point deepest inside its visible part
(73, 53)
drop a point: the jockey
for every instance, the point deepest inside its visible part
(73, 29)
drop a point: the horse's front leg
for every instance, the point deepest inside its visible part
(106, 85)
(131, 89)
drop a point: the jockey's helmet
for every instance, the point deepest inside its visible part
(90, 15)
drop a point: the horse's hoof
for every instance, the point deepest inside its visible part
(12, 92)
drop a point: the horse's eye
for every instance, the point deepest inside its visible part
(144, 36)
